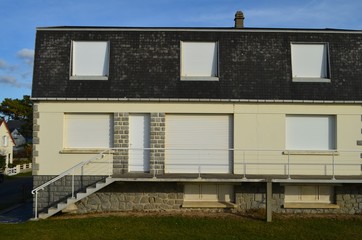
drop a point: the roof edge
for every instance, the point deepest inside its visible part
(198, 100)
(194, 29)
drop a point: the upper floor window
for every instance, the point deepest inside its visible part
(310, 132)
(199, 61)
(90, 60)
(310, 62)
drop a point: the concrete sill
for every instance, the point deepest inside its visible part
(311, 205)
(311, 80)
(204, 204)
(310, 152)
(83, 151)
(199, 78)
(91, 78)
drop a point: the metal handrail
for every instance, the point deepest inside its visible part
(70, 171)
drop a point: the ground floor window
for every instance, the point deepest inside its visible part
(88, 130)
(308, 196)
(208, 195)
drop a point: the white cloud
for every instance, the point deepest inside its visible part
(13, 82)
(10, 80)
(3, 64)
(27, 55)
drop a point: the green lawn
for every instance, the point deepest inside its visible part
(184, 227)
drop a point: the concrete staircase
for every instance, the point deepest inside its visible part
(79, 196)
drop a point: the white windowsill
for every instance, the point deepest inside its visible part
(311, 152)
(102, 78)
(207, 204)
(84, 151)
(311, 80)
(311, 205)
(199, 78)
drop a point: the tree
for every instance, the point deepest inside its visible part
(19, 109)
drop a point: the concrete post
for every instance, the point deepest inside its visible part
(269, 196)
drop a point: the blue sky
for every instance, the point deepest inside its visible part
(19, 19)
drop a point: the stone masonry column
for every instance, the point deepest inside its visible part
(157, 140)
(120, 140)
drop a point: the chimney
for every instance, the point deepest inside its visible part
(239, 19)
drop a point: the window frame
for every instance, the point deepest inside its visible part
(67, 145)
(184, 77)
(294, 196)
(332, 143)
(315, 79)
(90, 76)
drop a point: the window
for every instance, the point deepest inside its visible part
(208, 195)
(5, 141)
(88, 131)
(90, 60)
(308, 194)
(199, 61)
(310, 62)
(310, 132)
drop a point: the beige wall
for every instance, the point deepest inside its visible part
(6, 150)
(258, 128)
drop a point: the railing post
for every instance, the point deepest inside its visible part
(244, 164)
(73, 185)
(36, 206)
(154, 162)
(333, 166)
(110, 163)
(289, 165)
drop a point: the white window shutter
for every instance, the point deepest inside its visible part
(90, 58)
(199, 59)
(309, 60)
(310, 132)
(88, 131)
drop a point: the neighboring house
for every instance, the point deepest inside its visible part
(239, 118)
(6, 143)
(20, 140)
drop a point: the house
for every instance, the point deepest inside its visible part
(176, 118)
(6, 143)
(15, 127)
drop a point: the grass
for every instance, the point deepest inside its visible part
(184, 227)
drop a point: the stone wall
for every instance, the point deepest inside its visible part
(61, 190)
(134, 196)
(251, 196)
(158, 196)
(36, 139)
(157, 140)
(120, 140)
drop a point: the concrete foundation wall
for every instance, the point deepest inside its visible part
(134, 197)
(251, 196)
(143, 196)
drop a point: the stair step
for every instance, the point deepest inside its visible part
(71, 200)
(81, 196)
(91, 189)
(62, 205)
(52, 210)
(99, 185)
(43, 215)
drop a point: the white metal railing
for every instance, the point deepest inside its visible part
(242, 162)
(78, 169)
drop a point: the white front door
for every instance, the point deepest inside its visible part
(139, 141)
